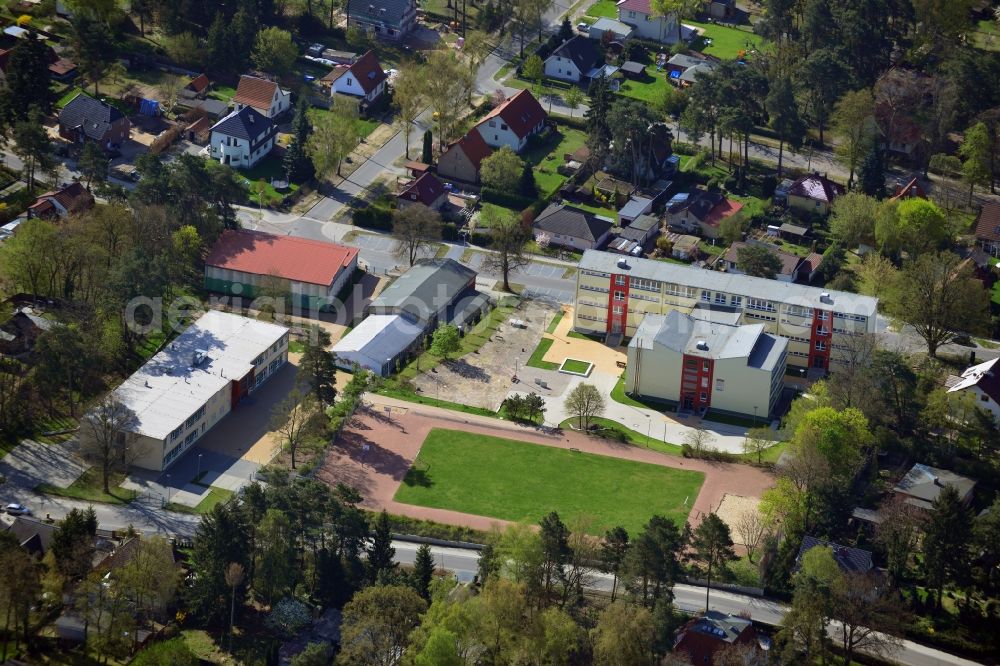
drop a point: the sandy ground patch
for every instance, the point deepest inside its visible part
(604, 358)
(484, 378)
(732, 508)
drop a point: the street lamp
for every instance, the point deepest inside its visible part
(755, 416)
(198, 476)
(649, 424)
(168, 489)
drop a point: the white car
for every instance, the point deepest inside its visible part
(16, 509)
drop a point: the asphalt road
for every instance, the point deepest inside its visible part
(688, 598)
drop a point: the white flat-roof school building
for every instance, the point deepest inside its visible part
(198, 378)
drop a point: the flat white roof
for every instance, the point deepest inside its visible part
(169, 388)
(376, 341)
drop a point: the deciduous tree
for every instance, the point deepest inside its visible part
(294, 420)
(377, 623)
(976, 151)
(854, 126)
(509, 240)
(758, 261)
(274, 51)
(585, 402)
(108, 437)
(501, 171)
(333, 138)
(446, 340)
(409, 97)
(623, 635)
(416, 228)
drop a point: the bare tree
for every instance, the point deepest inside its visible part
(585, 402)
(509, 239)
(751, 528)
(757, 441)
(576, 575)
(853, 384)
(108, 437)
(234, 576)
(699, 439)
(870, 619)
(415, 228)
(897, 534)
(293, 419)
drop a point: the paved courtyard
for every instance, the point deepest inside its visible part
(485, 378)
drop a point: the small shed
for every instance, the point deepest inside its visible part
(793, 232)
(633, 70)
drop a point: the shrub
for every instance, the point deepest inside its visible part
(449, 231)
(945, 165)
(682, 148)
(505, 199)
(372, 217)
(481, 239)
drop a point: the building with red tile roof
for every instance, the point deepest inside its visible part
(462, 159)
(199, 84)
(513, 121)
(266, 97)
(364, 79)
(988, 228)
(648, 24)
(814, 193)
(910, 190)
(426, 190)
(71, 199)
(313, 272)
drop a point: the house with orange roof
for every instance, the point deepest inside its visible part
(364, 79)
(245, 263)
(513, 121)
(701, 212)
(462, 159)
(71, 199)
(266, 97)
(908, 190)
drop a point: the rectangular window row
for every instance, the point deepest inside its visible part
(760, 304)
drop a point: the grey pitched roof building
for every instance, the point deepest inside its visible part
(923, 483)
(562, 220)
(582, 51)
(91, 116)
(849, 559)
(394, 14)
(426, 292)
(248, 124)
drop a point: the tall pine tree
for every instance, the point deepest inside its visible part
(298, 167)
(28, 63)
(871, 175)
(381, 554)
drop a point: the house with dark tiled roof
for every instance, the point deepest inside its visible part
(923, 484)
(242, 138)
(71, 199)
(87, 119)
(19, 333)
(385, 19)
(646, 22)
(426, 190)
(849, 559)
(513, 121)
(364, 79)
(813, 193)
(265, 96)
(701, 638)
(462, 159)
(571, 227)
(32, 535)
(988, 228)
(575, 60)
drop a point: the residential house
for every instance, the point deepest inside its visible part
(243, 138)
(19, 333)
(60, 69)
(87, 119)
(923, 484)
(513, 122)
(574, 60)
(614, 294)
(724, 10)
(364, 79)
(265, 96)
(849, 560)
(248, 264)
(699, 364)
(572, 227)
(701, 212)
(386, 19)
(426, 190)
(813, 193)
(908, 190)
(69, 199)
(982, 381)
(700, 639)
(462, 159)
(793, 267)
(616, 31)
(213, 109)
(197, 88)
(646, 22)
(988, 228)
(33, 535)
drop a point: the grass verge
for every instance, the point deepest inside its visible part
(90, 488)
(619, 433)
(551, 328)
(522, 482)
(535, 361)
(215, 496)
(576, 366)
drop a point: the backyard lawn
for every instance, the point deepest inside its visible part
(606, 8)
(651, 89)
(726, 43)
(522, 482)
(547, 156)
(266, 169)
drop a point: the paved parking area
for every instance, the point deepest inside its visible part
(31, 463)
(373, 242)
(548, 295)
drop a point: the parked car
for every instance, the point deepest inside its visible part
(583, 27)
(15, 509)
